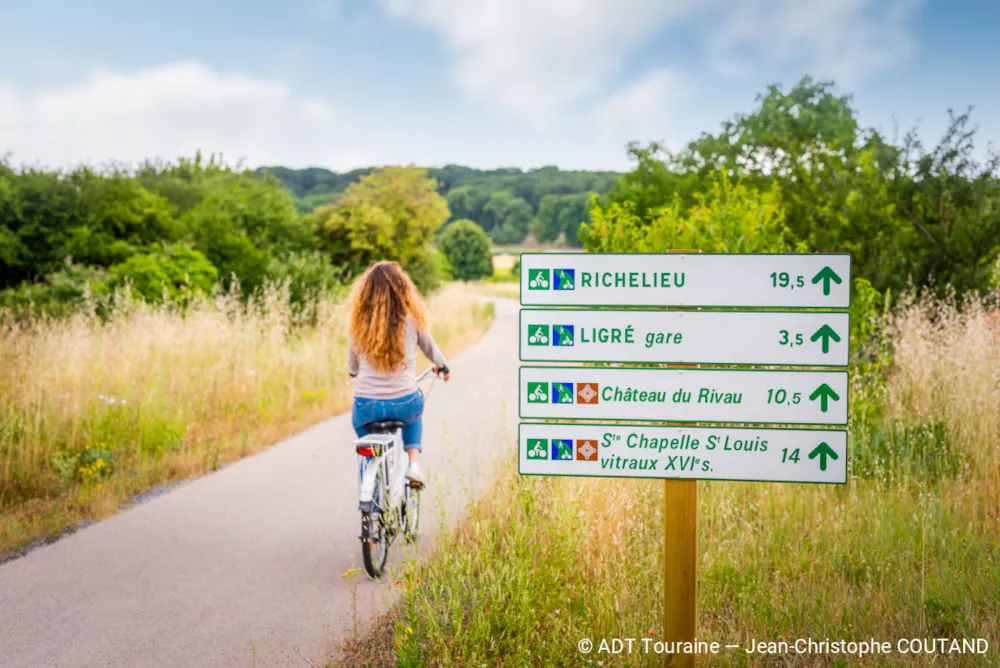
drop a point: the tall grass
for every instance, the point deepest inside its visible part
(95, 409)
(908, 548)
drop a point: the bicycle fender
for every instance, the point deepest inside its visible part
(368, 482)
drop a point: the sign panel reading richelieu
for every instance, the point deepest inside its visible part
(683, 395)
(694, 337)
(693, 453)
(703, 279)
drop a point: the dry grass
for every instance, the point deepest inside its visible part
(908, 548)
(497, 289)
(93, 412)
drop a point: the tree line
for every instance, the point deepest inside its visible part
(798, 173)
(167, 230)
(509, 204)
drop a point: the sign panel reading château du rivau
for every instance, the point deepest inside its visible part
(703, 279)
(683, 395)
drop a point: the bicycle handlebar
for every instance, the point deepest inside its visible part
(441, 370)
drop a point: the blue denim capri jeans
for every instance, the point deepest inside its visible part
(407, 409)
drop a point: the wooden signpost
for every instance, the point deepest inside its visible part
(695, 409)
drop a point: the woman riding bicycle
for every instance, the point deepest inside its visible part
(388, 323)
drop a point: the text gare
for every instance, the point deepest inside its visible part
(688, 442)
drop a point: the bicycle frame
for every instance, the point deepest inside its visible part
(389, 465)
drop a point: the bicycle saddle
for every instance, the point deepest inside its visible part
(384, 426)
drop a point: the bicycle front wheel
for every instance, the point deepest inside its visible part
(411, 513)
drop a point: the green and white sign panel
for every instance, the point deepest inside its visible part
(694, 453)
(696, 337)
(683, 395)
(677, 279)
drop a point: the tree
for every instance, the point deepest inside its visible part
(560, 215)
(390, 214)
(507, 217)
(730, 218)
(466, 202)
(467, 248)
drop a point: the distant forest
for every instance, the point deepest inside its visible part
(507, 203)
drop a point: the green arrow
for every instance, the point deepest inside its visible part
(826, 333)
(826, 275)
(824, 392)
(823, 451)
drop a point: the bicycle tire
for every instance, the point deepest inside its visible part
(373, 535)
(411, 513)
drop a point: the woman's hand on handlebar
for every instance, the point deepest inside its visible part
(443, 371)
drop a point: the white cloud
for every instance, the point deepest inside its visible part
(165, 112)
(536, 58)
(646, 108)
(843, 39)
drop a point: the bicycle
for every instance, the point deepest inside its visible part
(389, 503)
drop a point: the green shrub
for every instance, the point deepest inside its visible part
(428, 270)
(467, 248)
(168, 272)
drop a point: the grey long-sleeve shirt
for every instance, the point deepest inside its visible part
(374, 384)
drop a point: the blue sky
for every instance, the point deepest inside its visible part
(487, 83)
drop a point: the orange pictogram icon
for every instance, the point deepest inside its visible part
(586, 450)
(586, 393)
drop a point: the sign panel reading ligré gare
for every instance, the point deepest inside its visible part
(669, 279)
(691, 337)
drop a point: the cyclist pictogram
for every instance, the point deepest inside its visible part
(538, 393)
(538, 279)
(538, 335)
(538, 448)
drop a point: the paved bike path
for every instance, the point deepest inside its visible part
(243, 567)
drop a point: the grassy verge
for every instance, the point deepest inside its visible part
(507, 290)
(92, 412)
(908, 548)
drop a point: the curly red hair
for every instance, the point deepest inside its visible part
(382, 300)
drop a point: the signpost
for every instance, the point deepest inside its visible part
(681, 279)
(593, 403)
(684, 395)
(690, 337)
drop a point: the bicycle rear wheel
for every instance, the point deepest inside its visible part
(374, 544)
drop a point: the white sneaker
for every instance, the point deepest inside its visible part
(414, 474)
